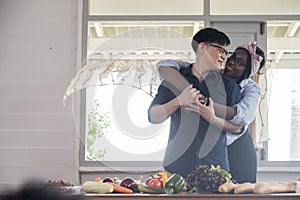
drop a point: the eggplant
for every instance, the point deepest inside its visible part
(109, 180)
(130, 184)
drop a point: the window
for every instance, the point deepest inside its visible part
(129, 136)
(122, 83)
(284, 115)
(254, 7)
(281, 143)
(137, 7)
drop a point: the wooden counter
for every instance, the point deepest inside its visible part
(192, 196)
(181, 196)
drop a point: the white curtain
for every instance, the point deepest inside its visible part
(259, 127)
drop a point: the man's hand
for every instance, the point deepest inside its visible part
(189, 96)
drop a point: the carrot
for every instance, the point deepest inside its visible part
(121, 189)
(97, 179)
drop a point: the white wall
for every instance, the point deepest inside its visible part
(38, 47)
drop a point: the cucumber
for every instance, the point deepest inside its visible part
(179, 186)
(176, 182)
(147, 189)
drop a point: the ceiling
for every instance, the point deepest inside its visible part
(283, 45)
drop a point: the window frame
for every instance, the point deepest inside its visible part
(207, 18)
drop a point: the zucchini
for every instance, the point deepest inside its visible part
(96, 187)
(147, 189)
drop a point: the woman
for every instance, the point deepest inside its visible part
(246, 61)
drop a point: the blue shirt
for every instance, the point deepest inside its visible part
(246, 108)
(188, 130)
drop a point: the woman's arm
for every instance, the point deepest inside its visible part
(168, 71)
(227, 125)
(226, 112)
(242, 113)
(247, 107)
(239, 115)
(178, 64)
(208, 113)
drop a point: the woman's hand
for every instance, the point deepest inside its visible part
(207, 112)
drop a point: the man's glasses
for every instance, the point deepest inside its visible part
(221, 50)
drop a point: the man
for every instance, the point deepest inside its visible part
(192, 140)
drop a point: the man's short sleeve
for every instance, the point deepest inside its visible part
(165, 93)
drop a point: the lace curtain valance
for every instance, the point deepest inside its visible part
(133, 72)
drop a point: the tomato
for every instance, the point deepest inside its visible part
(155, 182)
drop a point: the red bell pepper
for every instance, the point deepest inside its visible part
(156, 182)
